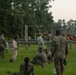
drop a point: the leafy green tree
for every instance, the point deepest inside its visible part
(57, 26)
(15, 14)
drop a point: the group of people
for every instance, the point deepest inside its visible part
(4, 46)
(58, 48)
(26, 68)
(58, 51)
(43, 55)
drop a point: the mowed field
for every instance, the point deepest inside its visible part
(5, 65)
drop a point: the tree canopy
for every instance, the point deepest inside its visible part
(15, 14)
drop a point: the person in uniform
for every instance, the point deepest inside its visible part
(27, 68)
(49, 38)
(58, 52)
(66, 51)
(2, 44)
(49, 56)
(40, 58)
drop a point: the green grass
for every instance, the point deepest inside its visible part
(5, 65)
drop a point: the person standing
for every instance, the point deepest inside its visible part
(40, 42)
(7, 47)
(66, 50)
(49, 38)
(2, 44)
(58, 52)
(27, 68)
(14, 49)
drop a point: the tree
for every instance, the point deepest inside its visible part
(24, 12)
(71, 26)
(57, 25)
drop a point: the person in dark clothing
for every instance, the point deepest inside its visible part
(66, 53)
(2, 44)
(27, 68)
(58, 52)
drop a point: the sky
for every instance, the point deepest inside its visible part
(63, 9)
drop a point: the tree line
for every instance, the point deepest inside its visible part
(15, 14)
(66, 27)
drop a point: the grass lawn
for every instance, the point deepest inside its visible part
(5, 65)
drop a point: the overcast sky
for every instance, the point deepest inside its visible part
(64, 9)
